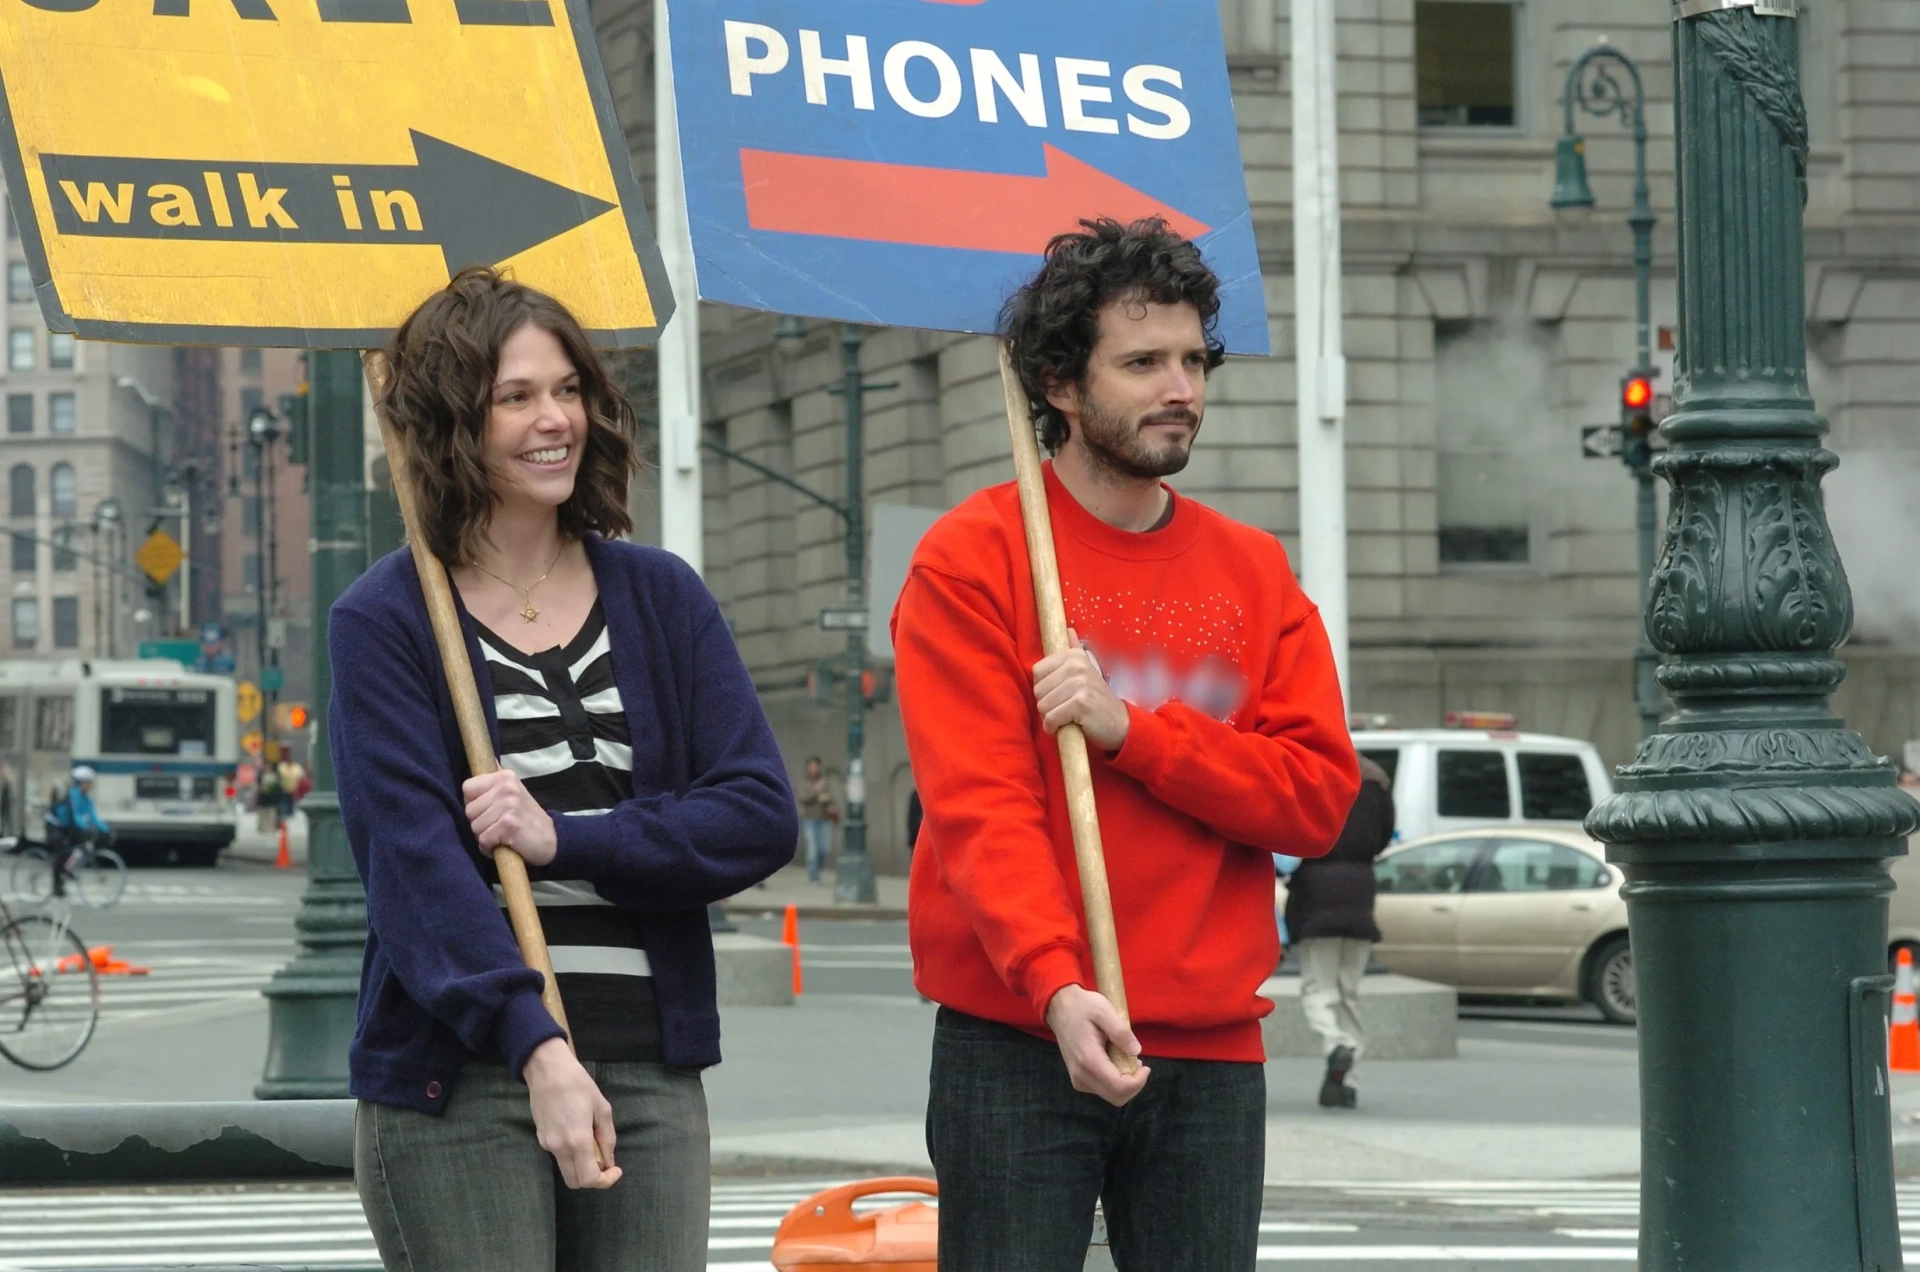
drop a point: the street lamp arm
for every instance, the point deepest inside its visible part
(771, 474)
(1600, 94)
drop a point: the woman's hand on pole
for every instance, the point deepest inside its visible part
(503, 813)
(571, 1119)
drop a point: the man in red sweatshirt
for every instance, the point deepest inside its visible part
(1208, 695)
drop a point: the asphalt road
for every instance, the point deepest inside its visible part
(1336, 1226)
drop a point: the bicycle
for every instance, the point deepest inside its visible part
(49, 990)
(99, 874)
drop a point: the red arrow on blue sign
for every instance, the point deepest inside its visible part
(939, 207)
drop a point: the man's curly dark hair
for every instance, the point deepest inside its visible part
(1052, 322)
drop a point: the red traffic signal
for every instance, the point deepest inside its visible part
(1636, 393)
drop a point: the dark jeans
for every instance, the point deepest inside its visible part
(471, 1190)
(1022, 1157)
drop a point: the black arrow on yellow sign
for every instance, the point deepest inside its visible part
(475, 209)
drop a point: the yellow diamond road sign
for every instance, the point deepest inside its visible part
(159, 556)
(305, 172)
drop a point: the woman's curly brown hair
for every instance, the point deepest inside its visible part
(1052, 323)
(444, 359)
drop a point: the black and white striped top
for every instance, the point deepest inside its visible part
(563, 730)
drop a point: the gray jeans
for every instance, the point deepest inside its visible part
(471, 1190)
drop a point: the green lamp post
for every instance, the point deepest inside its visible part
(1754, 828)
(312, 999)
(1593, 88)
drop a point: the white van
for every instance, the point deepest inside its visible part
(1481, 771)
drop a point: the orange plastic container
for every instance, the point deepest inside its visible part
(822, 1234)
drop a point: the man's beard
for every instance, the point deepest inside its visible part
(1119, 446)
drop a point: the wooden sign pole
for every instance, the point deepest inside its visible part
(472, 717)
(1088, 855)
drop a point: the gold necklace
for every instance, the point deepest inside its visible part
(530, 614)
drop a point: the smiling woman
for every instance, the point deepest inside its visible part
(483, 1139)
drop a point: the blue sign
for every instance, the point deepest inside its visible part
(211, 633)
(904, 162)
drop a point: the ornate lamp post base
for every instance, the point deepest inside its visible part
(313, 999)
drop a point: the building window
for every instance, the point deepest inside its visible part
(64, 559)
(1487, 461)
(250, 573)
(20, 349)
(250, 514)
(61, 416)
(60, 347)
(26, 553)
(250, 361)
(19, 283)
(251, 400)
(63, 491)
(66, 622)
(1464, 59)
(20, 491)
(19, 412)
(26, 622)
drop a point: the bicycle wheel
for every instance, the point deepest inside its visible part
(49, 993)
(100, 877)
(31, 878)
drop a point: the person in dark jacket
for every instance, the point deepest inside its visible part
(638, 779)
(1330, 920)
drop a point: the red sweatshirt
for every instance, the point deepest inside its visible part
(1236, 747)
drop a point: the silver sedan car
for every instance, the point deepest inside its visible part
(1524, 911)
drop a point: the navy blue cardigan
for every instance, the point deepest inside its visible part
(711, 815)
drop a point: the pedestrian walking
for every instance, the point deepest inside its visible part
(1213, 717)
(639, 780)
(818, 813)
(1329, 919)
(293, 779)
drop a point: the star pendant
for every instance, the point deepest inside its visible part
(530, 614)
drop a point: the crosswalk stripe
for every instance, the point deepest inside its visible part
(1444, 1254)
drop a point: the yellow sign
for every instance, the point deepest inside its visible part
(159, 556)
(251, 742)
(305, 172)
(247, 702)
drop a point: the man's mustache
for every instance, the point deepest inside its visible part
(1173, 415)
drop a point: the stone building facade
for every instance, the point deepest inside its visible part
(1491, 566)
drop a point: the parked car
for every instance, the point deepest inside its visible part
(1482, 771)
(1524, 911)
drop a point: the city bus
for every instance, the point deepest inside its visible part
(162, 741)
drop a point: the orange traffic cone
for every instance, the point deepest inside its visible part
(1903, 1038)
(285, 858)
(824, 1234)
(790, 937)
(104, 963)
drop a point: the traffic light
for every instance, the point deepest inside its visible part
(1636, 420)
(293, 408)
(290, 717)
